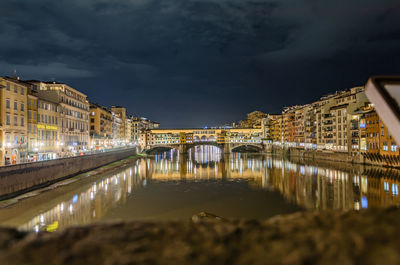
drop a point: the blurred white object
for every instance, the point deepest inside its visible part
(384, 93)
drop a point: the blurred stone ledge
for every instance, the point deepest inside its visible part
(328, 237)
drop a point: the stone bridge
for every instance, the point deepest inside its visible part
(228, 140)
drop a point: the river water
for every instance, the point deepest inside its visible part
(173, 186)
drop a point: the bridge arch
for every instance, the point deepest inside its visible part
(160, 148)
(212, 138)
(246, 147)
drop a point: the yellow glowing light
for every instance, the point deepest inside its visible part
(52, 227)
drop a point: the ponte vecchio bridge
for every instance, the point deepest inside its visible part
(183, 139)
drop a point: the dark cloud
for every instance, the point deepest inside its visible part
(201, 62)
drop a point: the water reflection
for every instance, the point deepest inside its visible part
(309, 186)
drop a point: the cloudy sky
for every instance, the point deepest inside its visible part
(193, 63)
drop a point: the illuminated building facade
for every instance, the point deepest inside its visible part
(116, 128)
(289, 117)
(48, 130)
(73, 114)
(276, 129)
(138, 125)
(126, 124)
(32, 125)
(101, 120)
(372, 131)
(14, 129)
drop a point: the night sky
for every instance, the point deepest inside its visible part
(187, 63)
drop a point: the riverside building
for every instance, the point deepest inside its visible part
(32, 125)
(101, 121)
(13, 116)
(73, 114)
(48, 131)
(116, 129)
(125, 133)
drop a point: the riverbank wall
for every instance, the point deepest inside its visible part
(21, 178)
(325, 155)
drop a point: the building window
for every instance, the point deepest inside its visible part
(385, 147)
(8, 122)
(8, 86)
(15, 105)
(7, 103)
(22, 121)
(383, 132)
(22, 91)
(15, 120)
(22, 106)
(29, 115)
(395, 189)
(15, 89)
(393, 147)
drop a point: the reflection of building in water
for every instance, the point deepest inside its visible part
(88, 205)
(383, 187)
(204, 162)
(312, 187)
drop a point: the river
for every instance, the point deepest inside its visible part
(173, 186)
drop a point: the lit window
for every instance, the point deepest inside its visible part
(386, 186)
(393, 147)
(395, 189)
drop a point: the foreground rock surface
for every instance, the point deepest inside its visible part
(366, 237)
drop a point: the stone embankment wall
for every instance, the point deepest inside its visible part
(17, 179)
(365, 159)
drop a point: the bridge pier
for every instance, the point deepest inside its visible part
(183, 148)
(226, 148)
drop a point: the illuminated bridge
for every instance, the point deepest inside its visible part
(183, 139)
